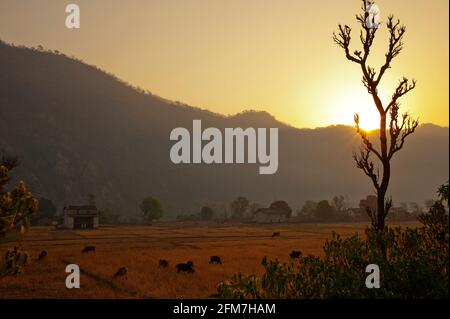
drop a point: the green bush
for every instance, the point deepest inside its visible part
(16, 207)
(413, 264)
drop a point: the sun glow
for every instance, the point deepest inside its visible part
(354, 101)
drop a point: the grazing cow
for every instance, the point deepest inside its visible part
(276, 234)
(215, 260)
(163, 263)
(42, 255)
(122, 272)
(295, 254)
(88, 249)
(187, 267)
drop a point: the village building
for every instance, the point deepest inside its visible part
(278, 212)
(79, 217)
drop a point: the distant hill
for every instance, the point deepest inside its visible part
(78, 130)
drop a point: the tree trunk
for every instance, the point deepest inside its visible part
(381, 191)
(380, 211)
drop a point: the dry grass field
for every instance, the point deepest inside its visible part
(140, 248)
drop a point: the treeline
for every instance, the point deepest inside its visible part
(240, 208)
(338, 209)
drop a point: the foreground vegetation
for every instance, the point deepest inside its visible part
(414, 263)
(16, 207)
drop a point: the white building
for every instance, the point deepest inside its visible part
(278, 212)
(267, 215)
(80, 217)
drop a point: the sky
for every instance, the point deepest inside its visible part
(233, 55)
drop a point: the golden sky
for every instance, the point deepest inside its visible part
(231, 55)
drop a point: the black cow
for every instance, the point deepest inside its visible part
(88, 249)
(276, 234)
(121, 272)
(163, 263)
(295, 254)
(215, 260)
(42, 255)
(187, 267)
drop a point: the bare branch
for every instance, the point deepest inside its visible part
(364, 163)
(368, 79)
(365, 138)
(367, 36)
(343, 39)
(400, 131)
(396, 34)
(387, 206)
(403, 88)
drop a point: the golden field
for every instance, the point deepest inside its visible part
(139, 248)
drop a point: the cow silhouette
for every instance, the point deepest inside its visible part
(187, 267)
(88, 249)
(215, 260)
(121, 272)
(42, 255)
(276, 234)
(295, 254)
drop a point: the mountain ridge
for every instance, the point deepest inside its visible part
(79, 130)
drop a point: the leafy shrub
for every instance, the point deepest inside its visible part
(16, 207)
(15, 261)
(413, 264)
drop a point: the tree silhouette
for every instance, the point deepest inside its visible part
(281, 205)
(324, 211)
(206, 213)
(151, 208)
(400, 126)
(239, 207)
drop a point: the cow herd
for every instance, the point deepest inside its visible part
(187, 267)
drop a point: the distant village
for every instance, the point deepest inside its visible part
(89, 216)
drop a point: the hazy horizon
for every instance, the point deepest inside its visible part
(249, 57)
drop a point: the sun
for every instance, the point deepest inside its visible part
(346, 103)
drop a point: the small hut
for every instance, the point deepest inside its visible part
(278, 212)
(80, 217)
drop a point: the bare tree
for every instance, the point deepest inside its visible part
(400, 126)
